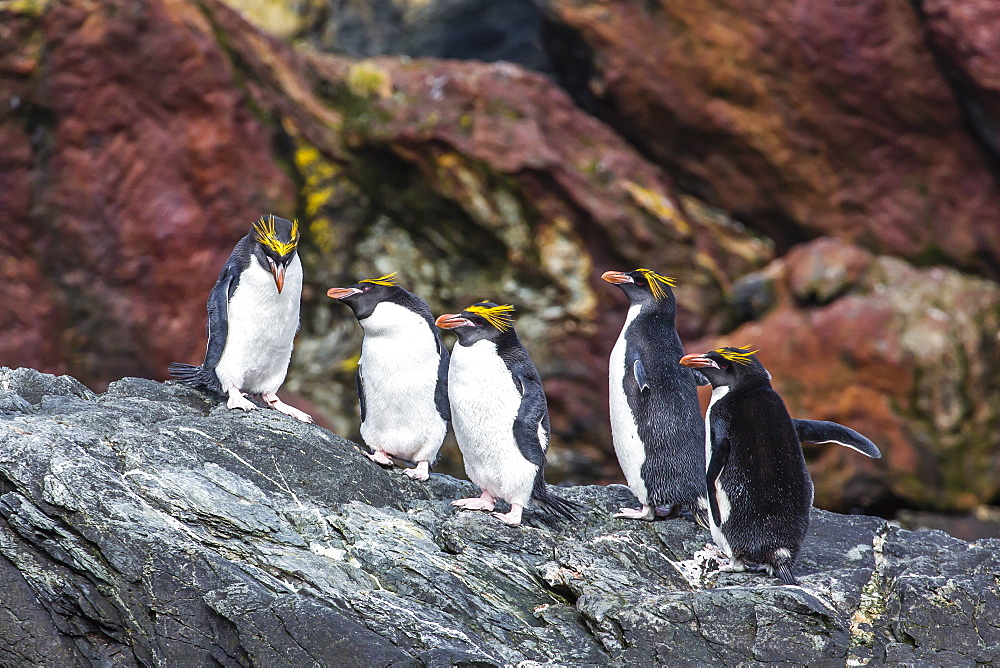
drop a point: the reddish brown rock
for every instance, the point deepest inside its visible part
(802, 118)
(967, 37)
(906, 356)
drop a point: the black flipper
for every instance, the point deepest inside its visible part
(360, 382)
(218, 315)
(720, 456)
(441, 388)
(531, 415)
(640, 375)
(821, 431)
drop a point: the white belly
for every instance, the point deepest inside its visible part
(484, 404)
(722, 499)
(624, 432)
(399, 364)
(262, 326)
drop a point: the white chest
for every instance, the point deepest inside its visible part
(484, 405)
(629, 448)
(721, 497)
(399, 365)
(262, 326)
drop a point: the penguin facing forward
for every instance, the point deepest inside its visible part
(253, 315)
(402, 374)
(759, 489)
(656, 421)
(499, 413)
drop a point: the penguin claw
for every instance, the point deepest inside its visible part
(644, 513)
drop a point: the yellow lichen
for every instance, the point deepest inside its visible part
(658, 205)
(321, 185)
(367, 80)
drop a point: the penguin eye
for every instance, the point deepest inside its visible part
(365, 289)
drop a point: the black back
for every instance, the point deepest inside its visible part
(757, 458)
(663, 396)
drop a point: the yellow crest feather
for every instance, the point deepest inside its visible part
(268, 236)
(388, 279)
(655, 280)
(742, 358)
(498, 315)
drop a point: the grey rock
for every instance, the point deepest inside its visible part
(148, 526)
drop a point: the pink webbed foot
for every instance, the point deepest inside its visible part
(380, 457)
(237, 400)
(277, 404)
(485, 502)
(644, 513)
(420, 472)
(513, 518)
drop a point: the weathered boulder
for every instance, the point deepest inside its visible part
(803, 119)
(907, 356)
(149, 526)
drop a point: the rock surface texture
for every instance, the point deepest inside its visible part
(148, 526)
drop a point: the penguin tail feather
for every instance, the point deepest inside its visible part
(188, 374)
(556, 505)
(195, 376)
(784, 573)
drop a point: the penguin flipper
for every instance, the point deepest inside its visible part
(218, 314)
(640, 375)
(441, 401)
(821, 431)
(360, 382)
(532, 417)
(720, 457)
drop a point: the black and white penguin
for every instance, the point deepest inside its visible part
(759, 489)
(499, 413)
(656, 419)
(402, 374)
(253, 315)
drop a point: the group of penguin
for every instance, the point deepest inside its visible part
(739, 471)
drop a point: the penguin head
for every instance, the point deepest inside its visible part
(483, 320)
(729, 366)
(275, 241)
(367, 293)
(643, 285)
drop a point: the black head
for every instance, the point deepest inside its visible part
(484, 320)
(729, 367)
(643, 286)
(366, 294)
(275, 241)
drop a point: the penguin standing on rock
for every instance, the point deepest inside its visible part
(499, 413)
(656, 419)
(253, 315)
(759, 489)
(402, 374)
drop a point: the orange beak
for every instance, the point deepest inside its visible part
(617, 277)
(340, 293)
(451, 321)
(696, 360)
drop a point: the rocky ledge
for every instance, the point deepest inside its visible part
(149, 526)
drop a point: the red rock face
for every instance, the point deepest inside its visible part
(803, 118)
(143, 168)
